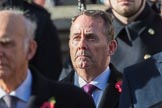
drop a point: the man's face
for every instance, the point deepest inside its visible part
(126, 8)
(89, 47)
(13, 57)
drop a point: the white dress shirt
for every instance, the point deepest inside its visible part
(23, 92)
(100, 82)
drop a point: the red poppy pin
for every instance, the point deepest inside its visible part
(49, 104)
(118, 86)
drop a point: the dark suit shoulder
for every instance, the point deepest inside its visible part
(66, 96)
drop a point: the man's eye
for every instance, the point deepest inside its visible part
(7, 44)
(77, 38)
(91, 38)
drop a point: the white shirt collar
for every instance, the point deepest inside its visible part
(100, 81)
(23, 92)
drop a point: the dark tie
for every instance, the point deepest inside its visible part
(10, 101)
(89, 88)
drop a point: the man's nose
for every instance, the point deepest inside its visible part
(83, 44)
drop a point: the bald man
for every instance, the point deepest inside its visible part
(48, 57)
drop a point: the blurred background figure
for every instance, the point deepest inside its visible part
(51, 3)
(39, 2)
(106, 2)
(47, 3)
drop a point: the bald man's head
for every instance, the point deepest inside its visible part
(17, 46)
(17, 20)
(13, 22)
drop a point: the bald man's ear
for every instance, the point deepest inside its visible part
(32, 49)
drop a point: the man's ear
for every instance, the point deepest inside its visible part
(112, 47)
(32, 49)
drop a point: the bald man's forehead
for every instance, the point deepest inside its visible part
(10, 14)
(12, 23)
(11, 17)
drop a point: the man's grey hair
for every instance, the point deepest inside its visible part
(30, 25)
(106, 17)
